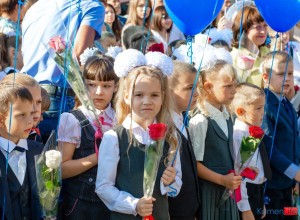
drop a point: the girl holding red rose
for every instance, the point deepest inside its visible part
(211, 132)
(142, 99)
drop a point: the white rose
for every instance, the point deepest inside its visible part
(53, 159)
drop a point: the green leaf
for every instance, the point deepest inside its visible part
(49, 185)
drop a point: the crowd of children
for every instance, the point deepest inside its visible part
(208, 114)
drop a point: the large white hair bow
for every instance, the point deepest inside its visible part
(131, 58)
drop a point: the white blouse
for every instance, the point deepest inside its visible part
(69, 127)
(240, 130)
(198, 127)
(115, 199)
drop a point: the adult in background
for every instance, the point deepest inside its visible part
(77, 21)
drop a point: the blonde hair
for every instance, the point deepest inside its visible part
(22, 79)
(221, 68)
(180, 68)
(246, 94)
(132, 16)
(127, 85)
(11, 92)
(278, 56)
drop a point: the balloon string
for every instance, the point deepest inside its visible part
(189, 43)
(241, 25)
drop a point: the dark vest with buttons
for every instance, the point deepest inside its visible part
(19, 195)
(218, 148)
(130, 173)
(186, 203)
(83, 185)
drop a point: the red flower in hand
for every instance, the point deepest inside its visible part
(157, 131)
(157, 47)
(256, 132)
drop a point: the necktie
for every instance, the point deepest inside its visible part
(20, 149)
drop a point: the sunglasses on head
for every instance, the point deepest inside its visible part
(165, 16)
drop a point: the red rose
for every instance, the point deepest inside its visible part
(150, 217)
(157, 47)
(157, 131)
(57, 43)
(296, 88)
(256, 132)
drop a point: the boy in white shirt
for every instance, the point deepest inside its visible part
(248, 105)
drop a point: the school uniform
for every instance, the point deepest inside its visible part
(252, 191)
(212, 140)
(285, 153)
(18, 183)
(186, 204)
(79, 199)
(121, 170)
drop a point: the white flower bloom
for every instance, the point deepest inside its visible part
(113, 51)
(127, 60)
(160, 61)
(53, 159)
(87, 53)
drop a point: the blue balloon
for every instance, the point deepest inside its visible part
(280, 15)
(193, 16)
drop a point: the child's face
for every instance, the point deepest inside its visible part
(258, 33)
(277, 78)
(140, 10)
(253, 114)
(183, 91)
(146, 100)
(21, 121)
(101, 92)
(108, 42)
(222, 92)
(37, 103)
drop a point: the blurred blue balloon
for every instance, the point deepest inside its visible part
(193, 16)
(280, 15)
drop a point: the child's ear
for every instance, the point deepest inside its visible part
(240, 111)
(265, 78)
(208, 86)
(127, 99)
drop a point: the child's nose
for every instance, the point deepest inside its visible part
(99, 90)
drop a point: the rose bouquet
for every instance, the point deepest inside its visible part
(246, 56)
(247, 149)
(68, 65)
(48, 173)
(153, 156)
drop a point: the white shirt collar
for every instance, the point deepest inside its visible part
(109, 112)
(129, 123)
(240, 125)
(215, 113)
(4, 143)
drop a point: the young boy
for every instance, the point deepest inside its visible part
(18, 181)
(34, 88)
(286, 150)
(248, 106)
(46, 102)
(185, 205)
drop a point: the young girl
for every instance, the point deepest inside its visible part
(76, 137)
(138, 10)
(254, 28)
(7, 54)
(143, 99)
(211, 131)
(111, 19)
